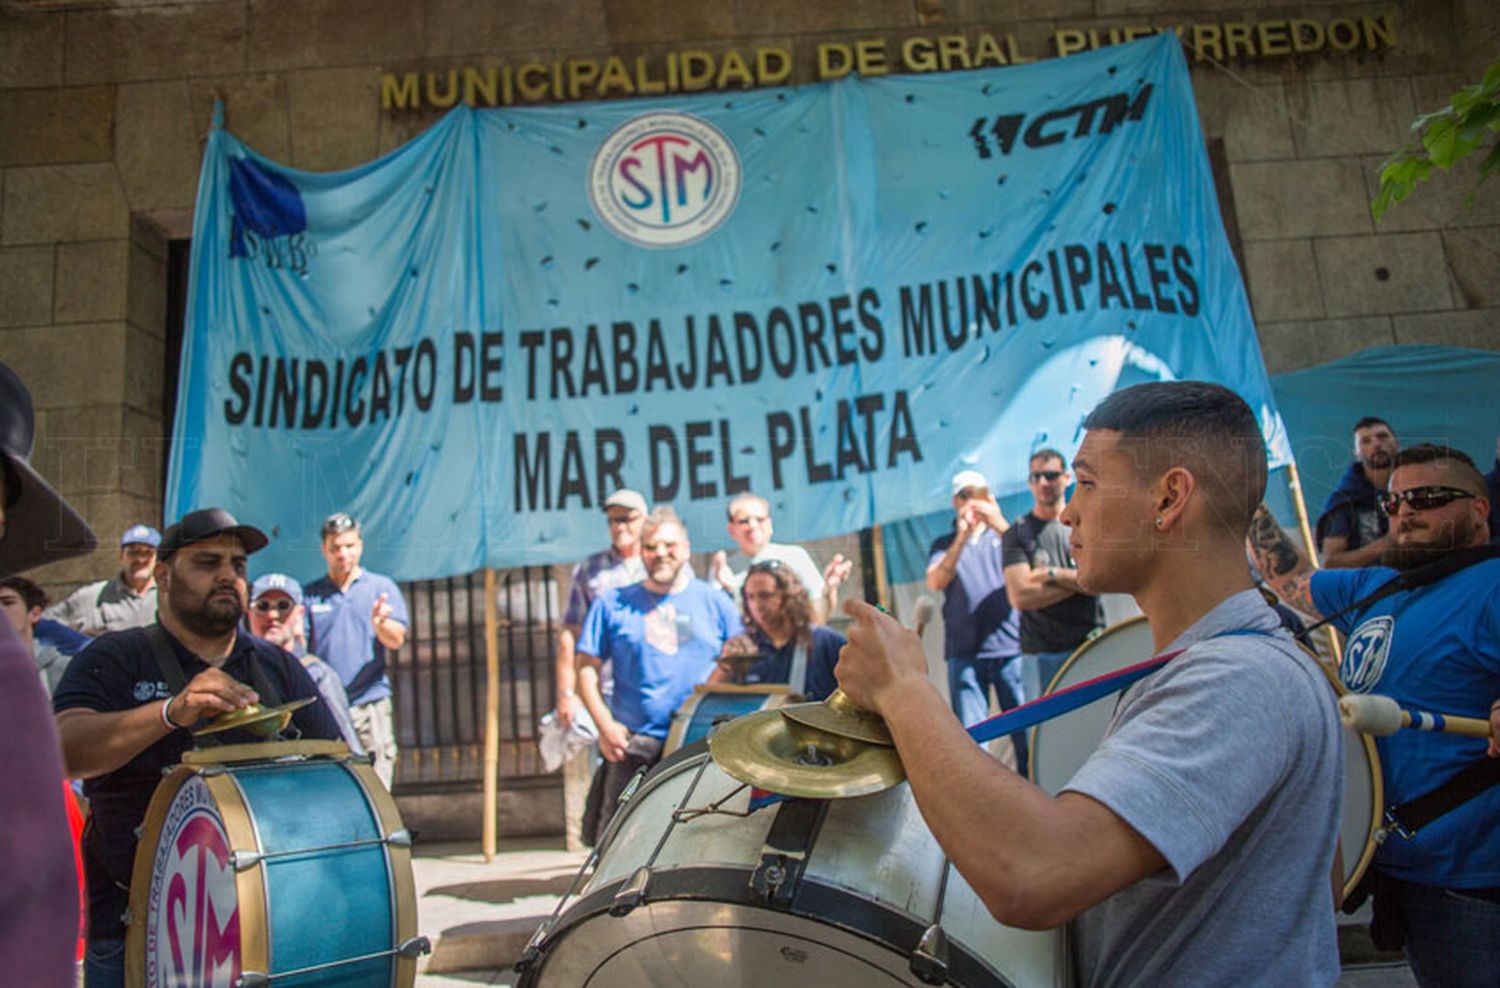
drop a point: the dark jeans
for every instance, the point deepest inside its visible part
(642, 751)
(1452, 935)
(970, 683)
(104, 964)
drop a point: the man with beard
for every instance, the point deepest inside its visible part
(662, 637)
(1352, 531)
(126, 600)
(1435, 647)
(121, 723)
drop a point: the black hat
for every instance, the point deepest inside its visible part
(206, 523)
(40, 527)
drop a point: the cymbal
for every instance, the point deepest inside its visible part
(839, 715)
(787, 757)
(255, 718)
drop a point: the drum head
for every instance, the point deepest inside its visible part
(1059, 747)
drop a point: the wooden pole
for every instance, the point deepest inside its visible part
(491, 711)
(1294, 484)
(882, 578)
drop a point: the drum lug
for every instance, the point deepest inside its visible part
(399, 838)
(208, 772)
(632, 893)
(414, 947)
(252, 979)
(929, 959)
(533, 950)
(243, 860)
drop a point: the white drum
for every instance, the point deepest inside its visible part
(690, 889)
(1059, 747)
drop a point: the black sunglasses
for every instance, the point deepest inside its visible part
(1048, 475)
(1421, 498)
(279, 606)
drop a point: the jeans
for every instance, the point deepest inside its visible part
(970, 682)
(1452, 935)
(1039, 668)
(104, 964)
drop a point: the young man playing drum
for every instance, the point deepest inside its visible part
(121, 723)
(1195, 846)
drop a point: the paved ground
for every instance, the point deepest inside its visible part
(479, 915)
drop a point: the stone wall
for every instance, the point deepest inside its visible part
(103, 107)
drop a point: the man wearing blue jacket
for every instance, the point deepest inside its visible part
(1352, 531)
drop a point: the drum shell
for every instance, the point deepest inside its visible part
(869, 890)
(1059, 747)
(309, 898)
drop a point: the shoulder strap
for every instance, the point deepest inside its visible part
(1411, 579)
(1414, 814)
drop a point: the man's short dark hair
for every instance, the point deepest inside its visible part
(1457, 464)
(33, 595)
(1201, 426)
(1370, 420)
(1047, 453)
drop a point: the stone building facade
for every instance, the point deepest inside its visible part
(104, 105)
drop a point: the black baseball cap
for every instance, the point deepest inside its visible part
(207, 523)
(40, 527)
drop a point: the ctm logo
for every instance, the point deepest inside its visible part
(1096, 116)
(664, 179)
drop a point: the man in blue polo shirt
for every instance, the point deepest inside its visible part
(356, 618)
(663, 637)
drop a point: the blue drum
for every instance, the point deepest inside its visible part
(278, 863)
(711, 704)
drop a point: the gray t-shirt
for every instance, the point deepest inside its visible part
(108, 605)
(1229, 761)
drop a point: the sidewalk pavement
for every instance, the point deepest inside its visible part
(480, 915)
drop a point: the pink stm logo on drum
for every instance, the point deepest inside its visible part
(664, 179)
(202, 909)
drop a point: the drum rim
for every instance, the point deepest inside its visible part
(842, 908)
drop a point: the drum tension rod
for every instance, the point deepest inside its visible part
(249, 859)
(408, 949)
(929, 958)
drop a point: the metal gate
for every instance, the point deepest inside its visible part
(438, 678)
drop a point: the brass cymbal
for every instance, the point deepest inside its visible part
(839, 715)
(784, 756)
(264, 721)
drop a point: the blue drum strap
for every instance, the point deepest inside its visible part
(1064, 700)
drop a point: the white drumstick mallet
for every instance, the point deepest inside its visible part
(1382, 716)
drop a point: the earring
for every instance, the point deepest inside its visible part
(1159, 521)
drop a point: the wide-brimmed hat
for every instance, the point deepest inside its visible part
(40, 527)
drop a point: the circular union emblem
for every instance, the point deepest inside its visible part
(664, 179)
(193, 915)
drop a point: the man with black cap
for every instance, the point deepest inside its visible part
(39, 893)
(126, 703)
(126, 600)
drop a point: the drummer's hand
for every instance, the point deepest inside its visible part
(613, 737)
(881, 657)
(740, 645)
(1495, 724)
(208, 694)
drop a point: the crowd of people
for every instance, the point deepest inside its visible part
(1204, 826)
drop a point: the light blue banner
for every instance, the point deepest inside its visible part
(836, 296)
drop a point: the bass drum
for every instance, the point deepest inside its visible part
(691, 888)
(1060, 747)
(711, 704)
(278, 863)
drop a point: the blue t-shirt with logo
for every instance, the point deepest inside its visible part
(661, 646)
(1434, 648)
(340, 633)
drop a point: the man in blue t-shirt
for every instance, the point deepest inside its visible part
(355, 619)
(1435, 647)
(662, 637)
(981, 631)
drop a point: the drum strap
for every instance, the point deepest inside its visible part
(1064, 700)
(1414, 814)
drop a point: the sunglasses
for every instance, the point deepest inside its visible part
(267, 606)
(1421, 498)
(338, 523)
(1047, 475)
(766, 566)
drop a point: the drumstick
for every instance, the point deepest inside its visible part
(1382, 716)
(922, 614)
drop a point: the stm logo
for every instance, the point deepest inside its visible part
(1097, 116)
(664, 180)
(1365, 654)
